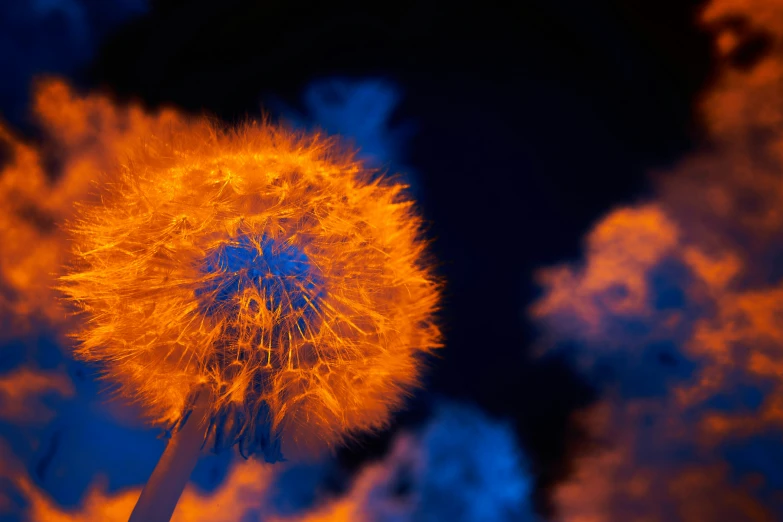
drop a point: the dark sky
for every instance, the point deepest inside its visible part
(531, 122)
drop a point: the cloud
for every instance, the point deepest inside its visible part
(461, 466)
(21, 392)
(675, 310)
(242, 491)
(360, 110)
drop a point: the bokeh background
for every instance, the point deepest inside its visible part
(604, 186)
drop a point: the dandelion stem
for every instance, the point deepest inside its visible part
(164, 487)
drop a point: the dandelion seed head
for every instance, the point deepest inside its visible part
(266, 266)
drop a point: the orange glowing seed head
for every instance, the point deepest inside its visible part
(265, 266)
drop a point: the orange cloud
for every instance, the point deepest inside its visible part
(21, 392)
(694, 276)
(620, 250)
(641, 474)
(243, 495)
(85, 136)
(242, 491)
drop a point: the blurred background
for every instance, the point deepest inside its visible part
(603, 187)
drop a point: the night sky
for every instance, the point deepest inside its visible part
(518, 128)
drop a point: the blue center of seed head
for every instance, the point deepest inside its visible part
(282, 273)
(278, 270)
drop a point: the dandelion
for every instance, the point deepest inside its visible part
(261, 283)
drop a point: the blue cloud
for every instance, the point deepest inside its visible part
(360, 111)
(462, 467)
